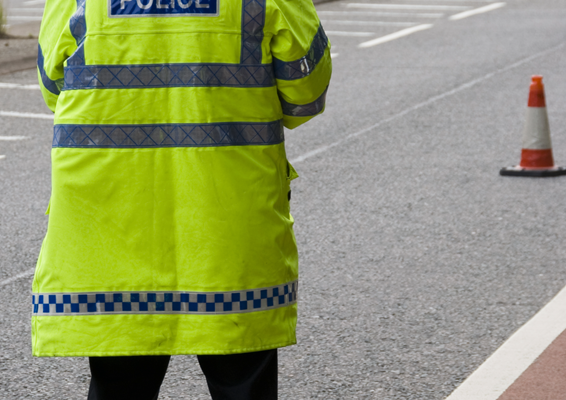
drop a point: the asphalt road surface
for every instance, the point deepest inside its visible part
(417, 259)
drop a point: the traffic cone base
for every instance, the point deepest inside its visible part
(533, 172)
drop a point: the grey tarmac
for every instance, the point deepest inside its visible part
(417, 259)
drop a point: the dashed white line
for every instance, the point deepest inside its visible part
(406, 7)
(25, 274)
(346, 33)
(25, 115)
(454, 1)
(18, 86)
(477, 11)
(11, 138)
(374, 23)
(396, 35)
(334, 55)
(382, 14)
(27, 9)
(439, 1)
(425, 103)
(504, 366)
(1, 157)
(20, 18)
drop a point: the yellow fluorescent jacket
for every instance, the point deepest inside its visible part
(169, 226)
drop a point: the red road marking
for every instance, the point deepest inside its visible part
(545, 379)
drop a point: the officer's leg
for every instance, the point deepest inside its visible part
(246, 376)
(126, 378)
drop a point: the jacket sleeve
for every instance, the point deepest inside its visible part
(301, 60)
(56, 44)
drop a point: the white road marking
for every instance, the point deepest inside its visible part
(393, 36)
(345, 33)
(454, 1)
(504, 366)
(382, 14)
(443, 1)
(20, 18)
(476, 11)
(374, 23)
(25, 115)
(334, 55)
(406, 7)
(29, 272)
(8, 138)
(27, 9)
(425, 103)
(18, 86)
(1, 157)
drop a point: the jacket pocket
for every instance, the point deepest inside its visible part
(291, 172)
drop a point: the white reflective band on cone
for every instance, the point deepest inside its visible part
(536, 133)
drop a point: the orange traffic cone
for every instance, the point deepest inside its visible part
(536, 156)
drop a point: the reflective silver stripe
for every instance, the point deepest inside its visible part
(253, 20)
(167, 75)
(77, 25)
(165, 302)
(304, 110)
(169, 135)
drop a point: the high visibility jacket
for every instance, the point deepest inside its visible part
(169, 226)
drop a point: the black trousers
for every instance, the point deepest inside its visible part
(247, 376)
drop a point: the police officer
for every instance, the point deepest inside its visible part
(169, 227)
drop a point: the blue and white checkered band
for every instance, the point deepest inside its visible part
(162, 8)
(77, 25)
(167, 302)
(170, 135)
(167, 75)
(304, 110)
(253, 21)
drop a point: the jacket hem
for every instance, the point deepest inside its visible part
(163, 353)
